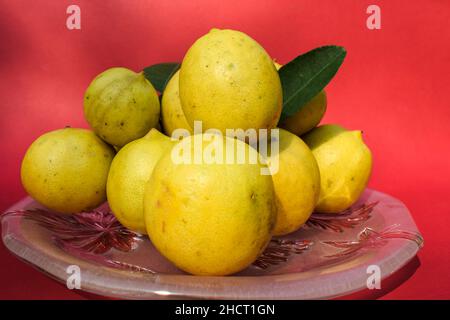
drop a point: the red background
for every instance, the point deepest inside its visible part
(393, 84)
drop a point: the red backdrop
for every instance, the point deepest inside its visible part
(392, 85)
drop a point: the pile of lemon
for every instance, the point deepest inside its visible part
(208, 218)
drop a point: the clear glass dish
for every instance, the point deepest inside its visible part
(329, 257)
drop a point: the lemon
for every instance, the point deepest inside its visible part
(309, 115)
(66, 170)
(296, 180)
(171, 111)
(228, 81)
(277, 65)
(121, 106)
(130, 171)
(209, 218)
(345, 164)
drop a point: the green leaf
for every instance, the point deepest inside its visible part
(160, 74)
(305, 76)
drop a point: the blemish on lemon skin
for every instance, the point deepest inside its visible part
(166, 188)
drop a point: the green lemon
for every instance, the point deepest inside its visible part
(121, 106)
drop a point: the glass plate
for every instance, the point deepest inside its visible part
(331, 256)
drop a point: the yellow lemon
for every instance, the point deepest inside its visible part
(228, 81)
(309, 116)
(209, 218)
(296, 180)
(66, 170)
(171, 111)
(130, 171)
(345, 164)
(277, 65)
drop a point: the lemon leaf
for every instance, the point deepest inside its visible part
(159, 74)
(305, 76)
